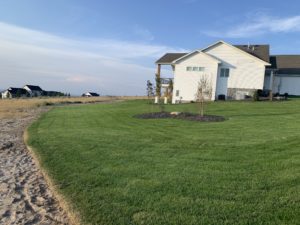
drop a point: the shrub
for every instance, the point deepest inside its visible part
(256, 95)
(48, 103)
(260, 93)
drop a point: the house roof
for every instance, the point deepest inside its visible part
(260, 51)
(285, 61)
(285, 64)
(13, 90)
(51, 92)
(92, 93)
(169, 58)
(34, 87)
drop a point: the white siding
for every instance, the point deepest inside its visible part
(4, 94)
(186, 82)
(287, 84)
(245, 71)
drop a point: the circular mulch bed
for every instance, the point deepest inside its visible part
(183, 115)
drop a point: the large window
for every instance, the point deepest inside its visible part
(195, 68)
(224, 72)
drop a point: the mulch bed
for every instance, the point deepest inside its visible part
(183, 115)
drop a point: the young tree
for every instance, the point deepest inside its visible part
(158, 86)
(150, 92)
(170, 89)
(204, 91)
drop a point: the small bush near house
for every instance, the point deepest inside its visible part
(256, 95)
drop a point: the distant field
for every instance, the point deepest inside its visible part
(116, 169)
(10, 108)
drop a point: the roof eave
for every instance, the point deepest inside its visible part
(158, 63)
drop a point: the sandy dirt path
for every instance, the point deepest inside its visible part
(25, 197)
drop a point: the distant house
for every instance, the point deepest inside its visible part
(15, 93)
(28, 91)
(33, 90)
(52, 93)
(90, 94)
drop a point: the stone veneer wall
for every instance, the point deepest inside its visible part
(239, 93)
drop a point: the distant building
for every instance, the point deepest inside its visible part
(28, 91)
(90, 94)
(52, 93)
(15, 93)
(33, 90)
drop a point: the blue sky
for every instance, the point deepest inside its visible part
(110, 46)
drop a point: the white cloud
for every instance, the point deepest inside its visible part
(75, 65)
(258, 25)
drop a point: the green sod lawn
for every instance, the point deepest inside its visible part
(116, 169)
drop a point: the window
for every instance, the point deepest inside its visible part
(177, 93)
(195, 68)
(224, 72)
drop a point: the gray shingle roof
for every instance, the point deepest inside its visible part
(285, 64)
(260, 51)
(20, 91)
(285, 61)
(34, 87)
(169, 58)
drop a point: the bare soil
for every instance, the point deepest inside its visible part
(25, 197)
(182, 115)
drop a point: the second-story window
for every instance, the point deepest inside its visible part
(195, 68)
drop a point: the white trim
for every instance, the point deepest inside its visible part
(246, 53)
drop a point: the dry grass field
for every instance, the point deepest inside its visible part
(13, 108)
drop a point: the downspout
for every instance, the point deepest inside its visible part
(271, 85)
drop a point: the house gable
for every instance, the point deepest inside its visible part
(186, 80)
(237, 49)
